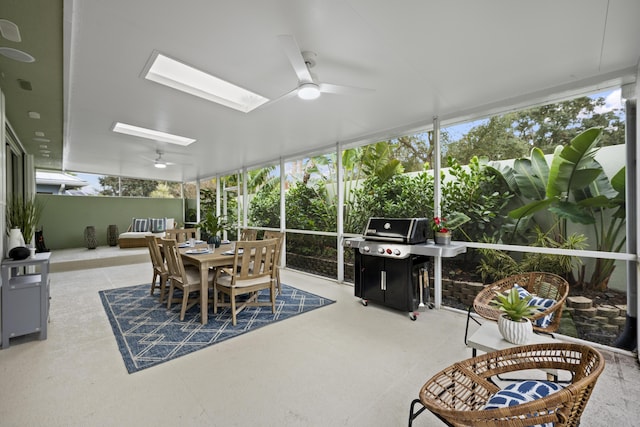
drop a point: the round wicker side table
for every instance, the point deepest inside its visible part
(112, 235)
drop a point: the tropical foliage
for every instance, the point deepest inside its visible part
(573, 189)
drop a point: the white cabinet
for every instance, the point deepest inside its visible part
(25, 297)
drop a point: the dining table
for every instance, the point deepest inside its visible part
(202, 257)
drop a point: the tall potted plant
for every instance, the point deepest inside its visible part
(213, 225)
(25, 216)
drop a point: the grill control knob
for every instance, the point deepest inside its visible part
(380, 250)
(396, 252)
(389, 251)
(366, 249)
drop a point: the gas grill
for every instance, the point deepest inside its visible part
(391, 261)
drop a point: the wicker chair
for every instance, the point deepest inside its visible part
(545, 285)
(458, 393)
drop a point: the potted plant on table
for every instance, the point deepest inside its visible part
(443, 227)
(514, 323)
(213, 225)
(23, 215)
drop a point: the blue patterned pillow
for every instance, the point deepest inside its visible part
(542, 303)
(140, 224)
(158, 225)
(522, 392)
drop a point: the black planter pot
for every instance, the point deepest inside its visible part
(214, 240)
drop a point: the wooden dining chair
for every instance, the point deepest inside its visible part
(186, 279)
(280, 237)
(248, 234)
(159, 267)
(181, 234)
(253, 270)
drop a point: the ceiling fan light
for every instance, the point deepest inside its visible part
(308, 91)
(160, 165)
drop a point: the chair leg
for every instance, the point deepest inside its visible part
(466, 330)
(273, 298)
(233, 308)
(163, 288)
(413, 415)
(185, 301)
(153, 282)
(170, 297)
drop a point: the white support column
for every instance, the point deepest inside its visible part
(245, 199)
(340, 216)
(283, 213)
(437, 260)
(198, 216)
(3, 175)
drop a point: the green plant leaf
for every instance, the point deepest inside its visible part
(530, 208)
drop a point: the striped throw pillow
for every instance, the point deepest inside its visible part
(140, 225)
(158, 225)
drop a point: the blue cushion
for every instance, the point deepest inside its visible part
(522, 392)
(140, 224)
(541, 303)
(157, 225)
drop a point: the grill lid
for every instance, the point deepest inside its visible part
(401, 230)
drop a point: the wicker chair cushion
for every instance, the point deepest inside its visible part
(542, 303)
(522, 392)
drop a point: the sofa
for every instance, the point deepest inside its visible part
(134, 237)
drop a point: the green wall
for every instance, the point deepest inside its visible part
(64, 218)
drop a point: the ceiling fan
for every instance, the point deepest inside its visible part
(159, 162)
(308, 85)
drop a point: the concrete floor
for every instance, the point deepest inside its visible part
(343, 364)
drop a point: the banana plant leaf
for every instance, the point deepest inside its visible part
(531, 208)
(532, 174)
(573, 213)
(571, 166)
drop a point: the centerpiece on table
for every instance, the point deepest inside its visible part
(443, 227)
(213, 226)
(514, 324)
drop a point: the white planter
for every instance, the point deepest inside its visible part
(515, 332)
(14, 239)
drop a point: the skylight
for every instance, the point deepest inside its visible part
(155, 135)
(177, 75)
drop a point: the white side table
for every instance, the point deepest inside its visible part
(488, 338)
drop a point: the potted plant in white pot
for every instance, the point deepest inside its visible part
(23, 215)
(213, 225)
(514, 323)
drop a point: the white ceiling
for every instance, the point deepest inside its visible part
(449, 59)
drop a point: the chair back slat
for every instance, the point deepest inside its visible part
(174, 260)
(254, 259)
(247, 234)
(280, 237)
(181, 234)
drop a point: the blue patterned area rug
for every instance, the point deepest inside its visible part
(148, 334)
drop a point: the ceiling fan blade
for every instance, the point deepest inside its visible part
(287, 95)
(343, 90)
(292, 50)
